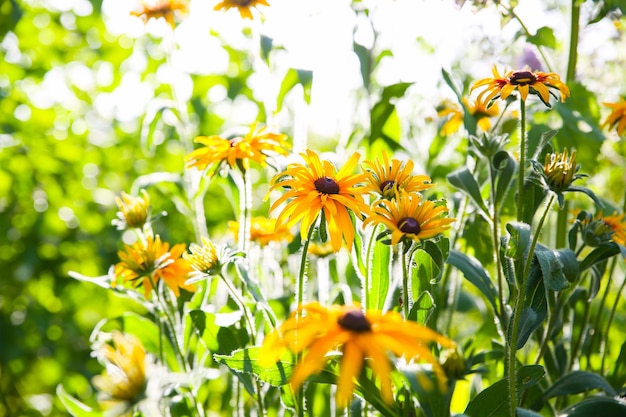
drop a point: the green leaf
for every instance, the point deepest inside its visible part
(465, 181)
(293, 78)
(378, 274)
(255, 290)
(422, 308)
(505, 166)
(551, 269)
(599, 254)
(469, 121)
(475, 273)
(384, 120)
(246, 361)
(519, 242)
(266, 48)
(577, 382)
(492, 401)
(544, 140)
(214, 330)
(365, 59)
(75, 407)
(569, 263)
(543, 37)
(596, 406)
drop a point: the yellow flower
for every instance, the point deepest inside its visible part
(479, 110)
(148, 262)
(524, 81)
(203, 259)
(123, 384)
(167, 9)
(359, 336)
(315, 188)
(617, 118)
(388, 178)
(618, 226)
(238, 151)
(559, 170)
(134, 211)
(320, 249)
(244, 6)
(263, 231)
(410, 217)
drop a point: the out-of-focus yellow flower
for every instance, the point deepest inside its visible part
(167, 9)
(454, 112)
(238, 151)
(134, 211)
(145, 263)
(618, 226)
(387, 178)
(263, 231)
(617, 119)
(410, 217)
(315, 188)
(360, 337)
(320, 249)
(560, 170)
(204, 259)
(525, 82)
(123, 385)
(244, 6)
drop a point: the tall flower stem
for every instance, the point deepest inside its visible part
(519, 296)
(607, 330)
(405, 284)
(495, 220)
(522, 161)
(573, 41)
(245, 207)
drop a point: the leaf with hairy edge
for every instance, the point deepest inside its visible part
(465, 181)
(519, 243)
(551, 269)
(576, 382)
(293, 78)
(598, 406)
(384, 111)
(505, 165)
(475, 273)
(599, 254)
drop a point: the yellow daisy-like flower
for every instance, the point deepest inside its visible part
(244, 6)
(263, 231)
(359, 336)
(525, 82)
(617, 119)
(203, 259)
(134, 211)
(618, 226)
(123, 384)
(167, 9)
(388, 178)
(315, 188)
(560, 170)
(479, 110)
(148, 262)
(238, 151)
(411, 217)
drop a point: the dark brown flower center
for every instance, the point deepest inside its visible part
(409, 225)
(387, 186)
(522, 78)
(326, 185)
(242, 3)
(355, 321)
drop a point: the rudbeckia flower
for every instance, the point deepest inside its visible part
(618, 226)
(316, 188)
(134, 211)
(454, 112)
(410, 217)
(167, 9)
(263, 231)
(387, 178)
(148, 262)
(534, 82)
(238, 151)
(617, 119)
(123, 385)
(244, 6)
(360, 338)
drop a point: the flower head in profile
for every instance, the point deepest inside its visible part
(145, 263)
(237, 151)
(123, 384)
(410, 217)
(203, 258)
(454, 114)
(387, 178)
(360, 338)
(559, 172)
(134, 211)
(599, 229)
(617, 119)
(316, 187)
(524, 82)
(617, 224)
(263, 231)
(167, 9)
(244, 6)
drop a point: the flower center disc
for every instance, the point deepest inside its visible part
(354, 320)
(522, 78)
(326, 185)
(387, 186)
(409, 225)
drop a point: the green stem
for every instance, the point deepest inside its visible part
(561, 226)
(522, 162)
(596, 322)
(573, 41)
(578, 343)
(366, 276)
(511, 11)
(405, 284)
(520, 293)
(605, 340)
(496, 244)
(245, 206)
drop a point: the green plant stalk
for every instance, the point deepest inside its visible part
(561, 226)
(495, 220)
(405, 281)
(520, 293)
(573, 41)
(245, 207)
(522, 161)
(605, 340)
(299, 301)
(366, 276)
(578, 343)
